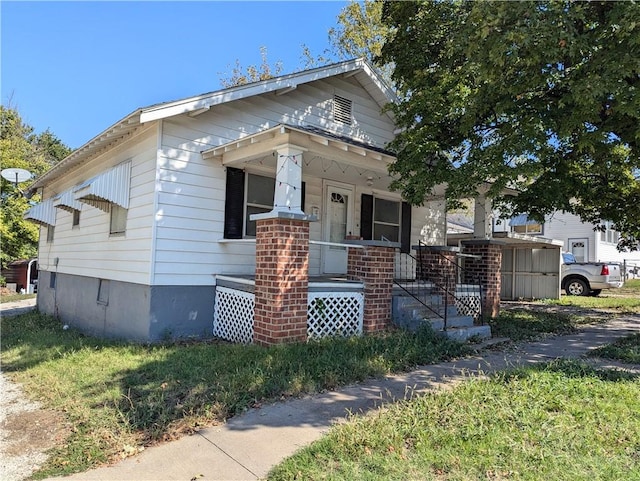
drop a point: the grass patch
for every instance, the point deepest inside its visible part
(626, 349)
(625, 300)
(526, 325)
(560, 421)
(121, 396)
(15, 297)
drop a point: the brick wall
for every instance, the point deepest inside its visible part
(487, 270)
(374, 267)
(281, 284)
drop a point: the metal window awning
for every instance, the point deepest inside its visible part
(66, 201)
(43, 213)
(110, 187)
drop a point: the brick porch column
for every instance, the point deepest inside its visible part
(282, 280)
(373, 265)
(437, 264)
(487, 269)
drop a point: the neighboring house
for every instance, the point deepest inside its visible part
(579, 238)
(147, 224)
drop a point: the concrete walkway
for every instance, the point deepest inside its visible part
(249, 445)
(17, 307)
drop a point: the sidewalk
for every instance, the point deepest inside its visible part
(17, 307)
(249, 445)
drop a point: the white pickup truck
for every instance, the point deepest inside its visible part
(588, 278)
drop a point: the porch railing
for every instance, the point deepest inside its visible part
(442, 286)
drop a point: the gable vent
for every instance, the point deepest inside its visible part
(342, 109)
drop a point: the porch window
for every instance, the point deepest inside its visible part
(260, 191)
(385, 218)
(239, 206)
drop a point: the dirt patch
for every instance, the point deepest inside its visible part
(26, 432)
(6, 292)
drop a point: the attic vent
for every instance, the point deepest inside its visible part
(342, 110)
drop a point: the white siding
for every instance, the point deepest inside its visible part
(88, 249)
(191, 191)
(567, 227)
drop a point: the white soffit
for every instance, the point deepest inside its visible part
(110, 187)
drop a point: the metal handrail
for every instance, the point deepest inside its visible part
(462, 276)
(443, 286)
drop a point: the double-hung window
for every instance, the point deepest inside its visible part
(386, 220)
(382, 219)
(260, 191)
(247, 194)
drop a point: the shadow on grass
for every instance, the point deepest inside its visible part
(157, 392)
(571, 369)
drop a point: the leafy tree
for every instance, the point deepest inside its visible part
(360, 32)
(20, 147)
(253, 73)
(543, 97)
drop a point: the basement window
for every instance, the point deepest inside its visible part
(342, 110)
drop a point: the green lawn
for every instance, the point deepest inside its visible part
(121, 396)
(623, 300)
(625, 350)
(15, 297)
(559, 421)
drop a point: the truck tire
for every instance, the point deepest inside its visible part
(577, 287)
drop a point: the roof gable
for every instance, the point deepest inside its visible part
(370, 80)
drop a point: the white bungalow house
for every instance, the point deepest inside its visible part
(198, 216)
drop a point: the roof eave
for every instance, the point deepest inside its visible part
(113, 134)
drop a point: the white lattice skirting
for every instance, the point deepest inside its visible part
(334, 314)
(468, 302)
(233, 315)
(328, 314)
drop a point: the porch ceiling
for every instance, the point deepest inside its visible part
(324, 155)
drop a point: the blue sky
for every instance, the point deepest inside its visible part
(78, 67)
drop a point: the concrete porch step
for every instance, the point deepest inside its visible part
(462, 334)
(437, 324)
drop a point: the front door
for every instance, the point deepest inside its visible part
(578, 247)
(337, 225)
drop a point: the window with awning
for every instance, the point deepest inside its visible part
(110, 187)
(66, 201)
(521, 224)
(43, 213)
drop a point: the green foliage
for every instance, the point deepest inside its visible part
(253, 73)
(21, 148)
(359, 32)
(540, 97)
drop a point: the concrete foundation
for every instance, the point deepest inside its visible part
(114, 309)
